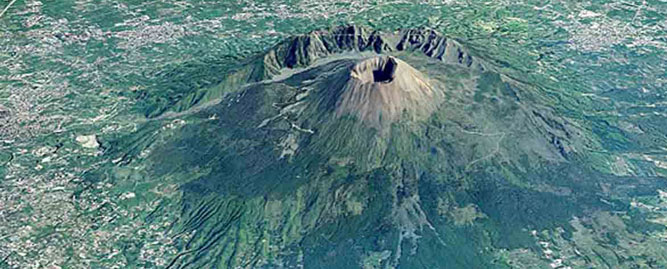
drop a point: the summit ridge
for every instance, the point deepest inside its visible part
(303, 50)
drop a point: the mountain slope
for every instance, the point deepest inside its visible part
(355, 148)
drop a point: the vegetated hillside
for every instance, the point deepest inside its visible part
(296, 159)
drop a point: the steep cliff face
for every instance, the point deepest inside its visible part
(304, 50)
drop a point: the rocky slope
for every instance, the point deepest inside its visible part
(380, 89)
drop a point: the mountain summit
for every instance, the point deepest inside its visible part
(309, 49)
(381, 88)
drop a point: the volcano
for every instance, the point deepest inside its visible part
(381, 88)
(356, 148)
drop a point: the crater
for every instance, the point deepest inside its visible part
(383, 89)
(385, 72)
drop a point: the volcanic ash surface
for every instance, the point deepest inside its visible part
(381, 90)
